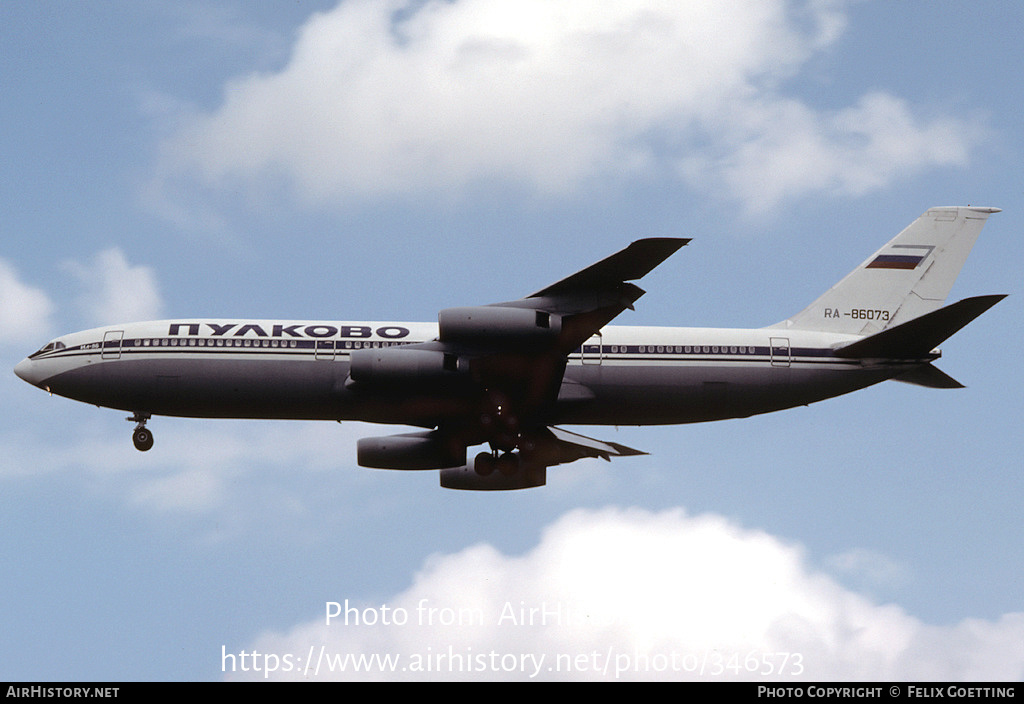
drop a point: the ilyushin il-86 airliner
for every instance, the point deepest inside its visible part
(505, 376)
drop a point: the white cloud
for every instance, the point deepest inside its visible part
(24, 311)
(393, 97)
(115, 291)
(780, 148)
(629, 594)
(873, 568)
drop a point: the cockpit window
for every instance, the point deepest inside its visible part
(50, 347)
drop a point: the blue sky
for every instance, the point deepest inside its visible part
(383, 160)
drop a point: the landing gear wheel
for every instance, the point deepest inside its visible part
(508, 464)
(142, 438)
(484, 464)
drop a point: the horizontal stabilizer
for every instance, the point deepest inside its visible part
(930, 376)
(916, 338)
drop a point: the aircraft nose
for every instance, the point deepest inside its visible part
(29, 371)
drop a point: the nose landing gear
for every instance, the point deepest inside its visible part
(141, 436)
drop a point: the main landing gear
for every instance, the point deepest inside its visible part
(141, 436)
(507, 463)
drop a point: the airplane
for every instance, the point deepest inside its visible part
(507, 375)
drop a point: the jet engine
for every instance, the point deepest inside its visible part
(424, 450)
(397, 365)
(488, 473)
(497, 324)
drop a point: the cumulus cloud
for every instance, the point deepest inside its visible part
(630, 594)
(24, 310)
(775, 149)
(114, 290)
(397, 97)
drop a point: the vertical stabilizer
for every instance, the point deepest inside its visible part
(907, 278)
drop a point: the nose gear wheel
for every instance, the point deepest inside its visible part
(142, 436)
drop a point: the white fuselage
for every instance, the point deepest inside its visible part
(299, 369)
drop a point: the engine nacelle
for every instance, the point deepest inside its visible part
(520, 475)
(423, 450)
(497, 324)
(396, 365)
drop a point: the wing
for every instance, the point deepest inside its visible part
(560, 317)
(493, 374)
(519, 348)
(516, 342)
